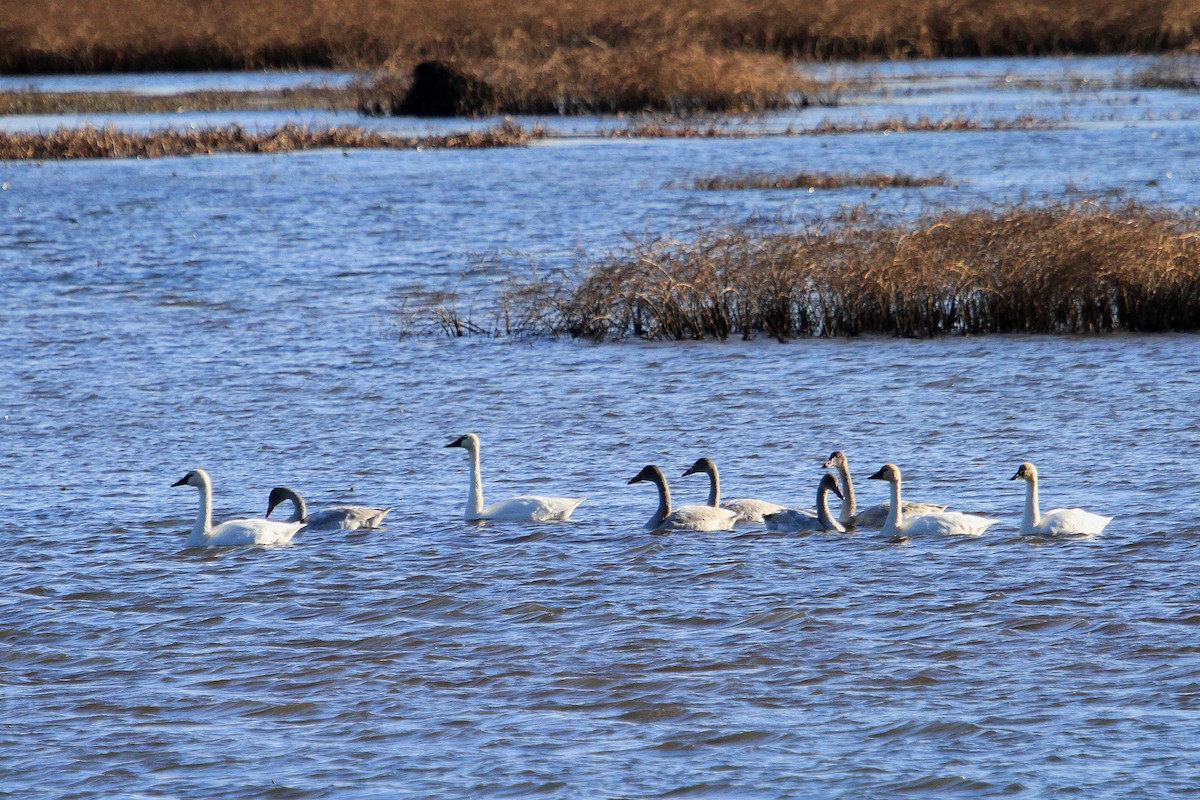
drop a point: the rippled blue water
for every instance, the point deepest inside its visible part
(238, 313)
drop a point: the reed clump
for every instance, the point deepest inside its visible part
(1076, 267)
(1175, 72)
(109, 142)
(131, 35)
(818, 180)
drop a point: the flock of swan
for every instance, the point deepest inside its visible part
(897, 518)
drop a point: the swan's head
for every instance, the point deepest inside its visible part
(648, 473)
(704, 465)
(195, 477)
(888, 472)
(1026, 471)
(836, 459)
(829, 483)
(468, 441)
(282, 494)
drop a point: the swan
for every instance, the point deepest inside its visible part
(348, 518)
(921, 524)
(792, 519)
(525, 508)
(1059, 521)
(871, 516)
(234, 531)
(683, 518)
(746, 509)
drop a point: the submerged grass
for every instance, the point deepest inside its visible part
(109, 142)
(817, 180)
(1077, 267)
(303, 97)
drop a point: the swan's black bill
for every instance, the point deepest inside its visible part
(457, 442)
(181, 482)
(878, 476)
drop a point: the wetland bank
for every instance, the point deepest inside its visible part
(240, 312)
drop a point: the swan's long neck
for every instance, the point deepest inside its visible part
(299, 509)
(895, 517)
(203, 516)
(1032, 515)
(664, 501)
(714, 486)
(849, 506)
(475, 495)
(823, 514)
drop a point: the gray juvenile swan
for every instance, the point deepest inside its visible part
(871, 516)
(793, 519)
(234, 531)
(936, 522)
(683, 518)
(525, 508)
(1058, 521)
(746, 509)
(348, 518)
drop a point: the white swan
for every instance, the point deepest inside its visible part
(1059, 521)
(348, 518)
(746, 509)
(793, 519)
(921, 524)
(683, 518)
(871, 516)
(525, 508)
(234, 531)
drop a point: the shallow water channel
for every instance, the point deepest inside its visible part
(241, 313)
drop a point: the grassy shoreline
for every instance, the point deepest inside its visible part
(1078, 267)
(156, 35)
(109, 142)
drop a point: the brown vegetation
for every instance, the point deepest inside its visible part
(108, 142)
(107, 35)
(1070, 267)
(817, 180)
(1176, 72)
(303, 97)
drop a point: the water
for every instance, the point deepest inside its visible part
(239, 313)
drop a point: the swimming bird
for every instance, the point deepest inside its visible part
(1058, 521)
(793, 519)
(234, 531)
(525, 508)
(871, 516)
(746, 509)
(898, 524)
(348, 518)
(683, 518)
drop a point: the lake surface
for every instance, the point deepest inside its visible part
(241, 313)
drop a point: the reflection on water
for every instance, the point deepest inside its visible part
(237, 313)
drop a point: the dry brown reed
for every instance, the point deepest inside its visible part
(95, 35)
(1176, 72)
(109, 142)
(1075, 267)
(817, 180)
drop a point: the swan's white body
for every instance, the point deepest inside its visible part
(235, 531)
(682, 518)
(745, 509)
(951, 522)
(872, 516)
(524, 508)
(1058, 521)
(348, 518)
(793, 519)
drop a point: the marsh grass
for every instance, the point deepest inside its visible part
(303, 97)
(1077, 267)
(144, 35)
(817, 180)
(109, 142)
(1175, 72)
